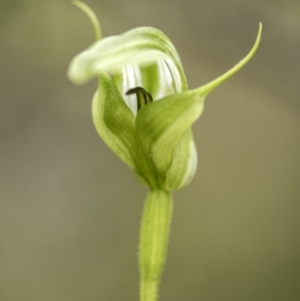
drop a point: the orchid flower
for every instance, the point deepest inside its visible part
(144, 111)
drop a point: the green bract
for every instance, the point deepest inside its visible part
(155, 141)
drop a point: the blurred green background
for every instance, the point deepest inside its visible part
(70, 210)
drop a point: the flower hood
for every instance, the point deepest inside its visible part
(154, 140)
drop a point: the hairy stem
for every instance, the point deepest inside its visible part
(154, 238)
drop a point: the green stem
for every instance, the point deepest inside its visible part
(154, 238)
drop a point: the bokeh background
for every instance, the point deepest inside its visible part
(70, 210)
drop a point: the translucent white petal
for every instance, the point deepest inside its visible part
(131, 79)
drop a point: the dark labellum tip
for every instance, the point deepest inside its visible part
(135, 90)
(142, 96)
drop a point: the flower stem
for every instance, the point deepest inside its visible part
(154, 238)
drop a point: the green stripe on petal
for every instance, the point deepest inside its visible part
(184, 164)
(157, 80)
(143, 46)
(151, 77)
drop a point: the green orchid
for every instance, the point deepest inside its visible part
(144, 111)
